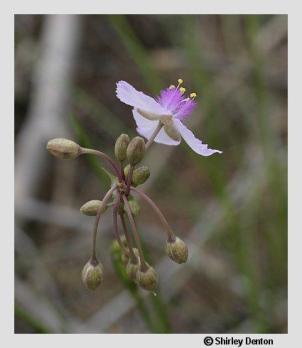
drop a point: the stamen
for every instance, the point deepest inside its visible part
(171, 86)
(180, 81)
(193, 95)
(182, 90)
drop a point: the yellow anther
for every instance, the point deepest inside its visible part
(193, 95)
(171, 87)
(182, 90)
(180, 81)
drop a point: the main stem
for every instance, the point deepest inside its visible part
(115, 168)
(97, 220)
(167, 228)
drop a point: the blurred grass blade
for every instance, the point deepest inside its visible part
(137, 52)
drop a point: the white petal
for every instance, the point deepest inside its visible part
(130, 96)
(192, 141)
(147, 127)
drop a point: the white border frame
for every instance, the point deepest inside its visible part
(7, 141)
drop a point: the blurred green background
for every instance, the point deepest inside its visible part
(231, 208)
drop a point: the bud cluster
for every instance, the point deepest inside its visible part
(129, 174)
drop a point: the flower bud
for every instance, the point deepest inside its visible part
(63, 148)
(147, 279)
(126, 170)
(140, 175)
(136, 150)
(92, 274)
(134, 206)
(120, 148)
(177, 250)
(90, 208)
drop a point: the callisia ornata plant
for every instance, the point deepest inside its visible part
(157, 120)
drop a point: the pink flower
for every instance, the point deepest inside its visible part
(172, 106)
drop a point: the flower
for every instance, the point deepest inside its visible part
(171, 107)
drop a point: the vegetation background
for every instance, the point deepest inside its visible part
(230, 209)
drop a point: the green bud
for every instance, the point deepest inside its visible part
(126, 170)
(147, 279)
(63, 148)
(136, 150)
(120, 148)
(177, 250)
(90, 208)
(140, 175)
(92, 274)
(134, 206)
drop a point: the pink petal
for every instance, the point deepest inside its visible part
(130, 96)
(146, 128)
(192, 141)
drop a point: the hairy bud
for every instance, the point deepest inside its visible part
(63, 148)
(147, 279)
(90, 208)
(136, 150)
(120, 148)
(134, 206)
(177, 250)
(140, 175)
(92, 274)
